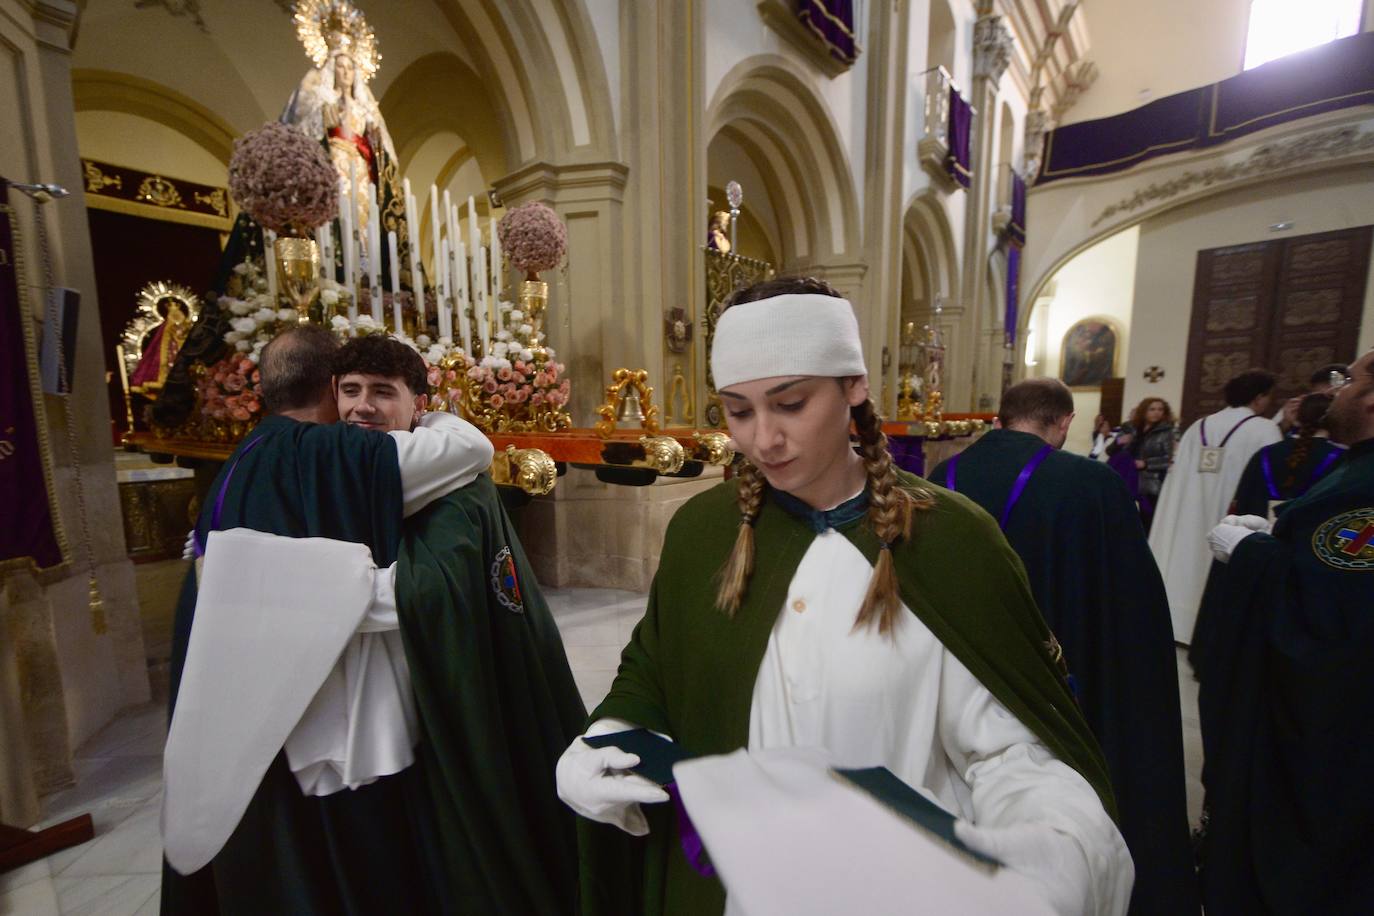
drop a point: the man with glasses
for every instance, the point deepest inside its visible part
(1287, 692)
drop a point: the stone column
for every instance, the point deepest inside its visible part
(992, 44)
(880, 316)
(74, 670)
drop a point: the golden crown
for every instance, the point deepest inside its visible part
(330, 27)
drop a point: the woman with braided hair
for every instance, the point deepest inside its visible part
(1288, 469)
(824, 598)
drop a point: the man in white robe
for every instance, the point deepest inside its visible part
(1211, 457)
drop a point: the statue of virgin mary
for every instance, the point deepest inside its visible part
(334, 105)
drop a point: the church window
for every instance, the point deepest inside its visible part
(1282, 27)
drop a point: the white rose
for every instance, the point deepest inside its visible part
(265, 315)
(500, 348)
(239, 307)
(423, 340)
(233, 336)
(503, 335)
(243, 346)
(244, 325)
(526, 355)
(286, 315)
(516, 314)
(241, 268)
(526, 329)
(329, 297)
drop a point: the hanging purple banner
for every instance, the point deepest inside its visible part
(1336, 75)
(1013, 293)
(832, 21)
(960, 162)
(1016, 229)
(28, 534)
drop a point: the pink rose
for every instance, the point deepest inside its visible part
(518, 377)
(238, 413)
(489, 386)
(451, 375)
(235, 382)
(434, 376)
(246, 366)
(537, 398)
(231, 401)
(556, 398)
(503, 374)
(475, 372)
(496, 401)
(541, 380)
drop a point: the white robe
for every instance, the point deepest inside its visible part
(1192, 503)
(908, 704)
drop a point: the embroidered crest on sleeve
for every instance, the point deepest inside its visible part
(505, 585)
(1347, 540)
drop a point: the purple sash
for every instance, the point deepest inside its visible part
(1228, 435)
(1017, 489)
(219, 500)
(1317, 474)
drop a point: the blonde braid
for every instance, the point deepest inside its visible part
(734, 575)
(890, 510)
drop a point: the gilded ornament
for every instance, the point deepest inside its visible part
(97, 180)
(214, 200)
(532, 470)
(160, 192)
(624, 383)
(663, 453)
(328, 27)
(715, 447)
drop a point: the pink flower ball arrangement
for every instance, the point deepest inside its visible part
(231, 389)
(533, 237)
(283, 179)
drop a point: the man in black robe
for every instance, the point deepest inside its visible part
(1287, 691)
(1075, 527)
(300, 474)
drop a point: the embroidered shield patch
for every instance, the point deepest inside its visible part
(1347, 540)
(505, 585)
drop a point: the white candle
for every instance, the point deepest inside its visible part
(269, 263)
(413, 227)
(495, 262)
(460, 272)
(374, 253)
(483, 303)
(474, 234)
(350, 254)
(445, 308)
(394, 287)
(437, 260)
(353, 191)
(448, 220)
(326, 262)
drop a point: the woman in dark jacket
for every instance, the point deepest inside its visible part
(1149, 438)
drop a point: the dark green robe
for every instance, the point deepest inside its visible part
(351, 852)
(1079, 535)
(1287, 708)
(497, 706)
(1295, 466)
(689, 671)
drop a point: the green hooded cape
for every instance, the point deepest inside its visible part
(497, 706)
(689, 671)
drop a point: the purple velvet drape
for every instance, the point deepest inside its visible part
(1016, 230)
(28, 527)
(960, 162)
(832, 21)
(1326, 78)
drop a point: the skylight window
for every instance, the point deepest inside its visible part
(1282, 27)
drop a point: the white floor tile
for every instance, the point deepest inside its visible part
(132, 848)
(37, 898)
(34, 871)
(106, 895)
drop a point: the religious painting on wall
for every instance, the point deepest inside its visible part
(1088, 357)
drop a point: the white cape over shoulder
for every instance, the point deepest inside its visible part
(270, 626)
(1192, 503)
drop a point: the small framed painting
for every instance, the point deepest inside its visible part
(1089, 353)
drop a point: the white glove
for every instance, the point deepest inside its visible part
(1253, 522)
(188, 550)
(1052, 860)
(597, 784)
(1224, 538)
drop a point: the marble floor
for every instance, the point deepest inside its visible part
(119, 778)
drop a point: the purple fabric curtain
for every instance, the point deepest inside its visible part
(1013, 293)
(1326, 78)
(832, 21)
(908, 453)
(1016, 230)
(28, 528)
(960, 163)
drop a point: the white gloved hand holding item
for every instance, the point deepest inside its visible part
(1224, 538)
(1253, 522)
(597, 784)
(1052, 860)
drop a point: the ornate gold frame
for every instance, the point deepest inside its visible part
(1116, 353)
(147, 318)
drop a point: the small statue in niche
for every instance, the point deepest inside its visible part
(718, 239)
(677, 329)
(162, 347)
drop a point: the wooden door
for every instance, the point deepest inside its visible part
(1290, 306)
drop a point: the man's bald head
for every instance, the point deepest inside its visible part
(1042, 406)
(296, 373)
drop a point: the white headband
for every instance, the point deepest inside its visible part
(791, 334)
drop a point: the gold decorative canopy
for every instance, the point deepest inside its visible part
(329, 27)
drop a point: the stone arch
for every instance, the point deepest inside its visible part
(929, 238)
(519, 51)
(106, 90)
(414, 112)
(787, 130)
